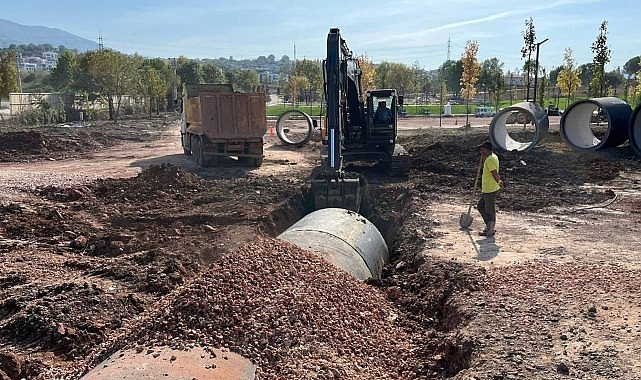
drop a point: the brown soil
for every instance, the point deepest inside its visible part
(110, 238)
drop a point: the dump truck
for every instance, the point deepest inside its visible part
(219, 124)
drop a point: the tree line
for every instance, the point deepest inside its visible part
(111, 75)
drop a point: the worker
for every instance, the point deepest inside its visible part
(491, 183)
(383, 114)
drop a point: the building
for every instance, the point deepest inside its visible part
(47, 62)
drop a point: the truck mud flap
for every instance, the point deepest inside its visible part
(338, 193)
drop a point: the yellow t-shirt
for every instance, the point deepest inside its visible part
(488, 184)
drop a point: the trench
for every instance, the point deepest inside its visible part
(394, 221)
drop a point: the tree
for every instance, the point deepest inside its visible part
(152, 86)
(293, 86)
(247, 81)
(401, 77)
(601, 57)
(451, 72)
(369, 73)
(471, 71)
(380, 78)
(212, 73)
(632, 66)
(613, 79)
(568, 79)
(312, 72)
(111, 74)
(62, 76)
(529, 37)
(492, 78)
(190, 71)
(8, 74)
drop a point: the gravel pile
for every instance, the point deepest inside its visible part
(291, 313)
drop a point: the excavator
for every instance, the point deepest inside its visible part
(353, 131)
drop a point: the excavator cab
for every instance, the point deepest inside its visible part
(382, 112)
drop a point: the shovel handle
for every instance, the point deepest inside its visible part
(476, 182)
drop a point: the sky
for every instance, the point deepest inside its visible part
(421, 32)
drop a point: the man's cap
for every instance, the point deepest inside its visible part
(486, 145)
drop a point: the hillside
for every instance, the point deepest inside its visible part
(13, 33)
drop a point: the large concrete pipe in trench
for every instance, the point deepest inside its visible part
(577, 132)
(634, 130)
(522, 113)
(342, 237)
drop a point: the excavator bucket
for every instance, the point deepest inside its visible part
(341, 193)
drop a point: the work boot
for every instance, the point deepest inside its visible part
(483, 233)
(490, 229)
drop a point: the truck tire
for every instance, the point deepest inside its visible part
(196, 150)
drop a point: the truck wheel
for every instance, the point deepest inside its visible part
(201, 155)
(197, 148)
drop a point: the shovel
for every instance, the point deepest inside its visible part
(466, 219)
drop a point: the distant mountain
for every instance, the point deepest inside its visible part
(13, 33)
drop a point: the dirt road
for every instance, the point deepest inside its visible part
(97, 244)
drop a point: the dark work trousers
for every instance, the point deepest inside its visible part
(487, 207)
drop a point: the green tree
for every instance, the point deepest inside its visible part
(8, 74)
(569, 79)
(212, 73)
(382, 72)
(190, 71)
(601, 58)
(248, 81)
(401, 77)
(471, 72)
(165, 69)
(529, 38)
(63, 75)
(111, 74)
(312, 72)
(613, 80)
(451, 72)
(152, 86)
(630, 69)
(491, 77)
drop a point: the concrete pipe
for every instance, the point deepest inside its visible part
(577, 132)
(342, 237)
(523, 113)
(294, 127)
(634, 130)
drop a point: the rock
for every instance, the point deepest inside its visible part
(79, 242)
(563, 369)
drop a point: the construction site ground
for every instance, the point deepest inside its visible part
(111, 238)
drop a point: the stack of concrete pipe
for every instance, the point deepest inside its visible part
(621, 122)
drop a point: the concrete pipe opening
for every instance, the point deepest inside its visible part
(294, 127)
(519, 127)
(342, 237)
(634, 130)
(589, 125)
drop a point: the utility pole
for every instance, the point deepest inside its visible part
(536, 70)
(101, 46)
